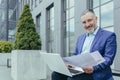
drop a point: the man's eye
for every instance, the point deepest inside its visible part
(84, 22)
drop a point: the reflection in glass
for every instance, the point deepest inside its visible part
(104, 1)
(2, 15)
(0, 1)
(50, 29)
(97, 13)
(52, 13)
(67, 29)
(69, 39)
(52, 22)
(71, 12)
(67, 3)
(95, 3)
(107, 15)
(71, 3)
(67, 14)
(72, 30)
(38, 24)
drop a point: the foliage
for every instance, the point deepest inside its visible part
(5, 47)
(26, 36)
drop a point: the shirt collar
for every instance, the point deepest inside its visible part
(94, 33)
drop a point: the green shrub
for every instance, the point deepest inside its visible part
(5, 47)
(26, 36)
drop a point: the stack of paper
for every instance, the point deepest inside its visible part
(86, 59)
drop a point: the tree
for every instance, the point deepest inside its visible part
(26, 36)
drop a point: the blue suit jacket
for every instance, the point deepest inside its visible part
(105, 43)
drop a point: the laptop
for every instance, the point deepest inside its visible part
(56, 63)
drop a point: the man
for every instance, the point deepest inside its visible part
(95, 39)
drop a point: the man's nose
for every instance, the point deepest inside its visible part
(87, 24)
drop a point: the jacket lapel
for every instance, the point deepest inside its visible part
(96, 39)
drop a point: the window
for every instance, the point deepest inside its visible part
(12, 21)
(35, 3)
(31, 4)
(50, 28)
(21, 5)
(102, 8)
(40, 1)
(69, 27)
(38, 23)
(0, 1)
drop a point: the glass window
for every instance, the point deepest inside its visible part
(95, 3)
(67, 25)
(104, 12)
(104, 1)
(67, 14)
(40, 1)
(2, 15)
(52, 13)
(38, 23)
(31, 4)
(0, 1)
(35, 3)
(50, 29)
(97, 13)
(52, 22)
(72, 30)
(107, 15)
(67, 3)
(71, 12)
(69, 37)
(71, 3)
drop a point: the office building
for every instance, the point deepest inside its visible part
(8, 19)
(58, 22)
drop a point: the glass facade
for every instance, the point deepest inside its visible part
(69, 26)
(12, 18)
(9, 14)
(104, 10)
(8, 18)
(35, 3)
(38, 23)
(3, 20)
(50, 28)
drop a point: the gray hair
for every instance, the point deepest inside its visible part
(88, 10)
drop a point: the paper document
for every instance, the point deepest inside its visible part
(86, 59)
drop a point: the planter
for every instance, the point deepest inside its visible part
(5, 69)
(27, 65)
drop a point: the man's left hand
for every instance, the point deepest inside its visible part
(88, 70)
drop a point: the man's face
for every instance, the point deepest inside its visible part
(89, 21)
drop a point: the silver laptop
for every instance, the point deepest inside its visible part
(56, 63)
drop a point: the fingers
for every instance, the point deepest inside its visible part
(69, 66)
(88, 70)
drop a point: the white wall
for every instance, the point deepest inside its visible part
(27, 65)
(4, 70)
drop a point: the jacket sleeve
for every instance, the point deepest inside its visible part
(110, 51)
(76, 51)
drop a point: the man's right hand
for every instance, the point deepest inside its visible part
(70, 66)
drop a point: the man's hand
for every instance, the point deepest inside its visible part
(69, 66)
(88, 70)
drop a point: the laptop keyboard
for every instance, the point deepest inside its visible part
(74, 71)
